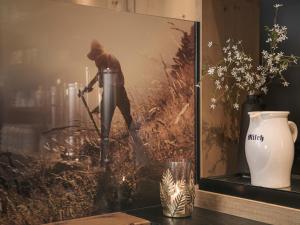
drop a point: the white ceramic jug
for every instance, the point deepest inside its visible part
(270, 148)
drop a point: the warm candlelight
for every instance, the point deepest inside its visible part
(177, 190)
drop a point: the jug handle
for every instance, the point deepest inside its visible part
(294, 130)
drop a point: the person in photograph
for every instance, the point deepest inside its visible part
(116, 97)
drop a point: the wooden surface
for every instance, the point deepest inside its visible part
(106, 219)
(254, 210)
(223, 19)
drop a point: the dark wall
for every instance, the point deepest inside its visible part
(279, 97)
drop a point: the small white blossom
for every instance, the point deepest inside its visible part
(212, 106)
(285, 84)
(265, 90)
(234, 73)
(281, 34)
(225, 49)
(277, 5)
(249, 59)
(269, 40)
(218, 84)
(264, 53)
(294, 59)
(273, 69)
(284, 67)
(260, 68)
(236, 106)
(221, 70)
(210, 44)
(211, 70)
(270, 62)
(213, 100)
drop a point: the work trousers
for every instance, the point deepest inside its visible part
(118, 99)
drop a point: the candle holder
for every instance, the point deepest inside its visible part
(177, 189)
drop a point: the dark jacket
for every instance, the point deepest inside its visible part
(104, 61)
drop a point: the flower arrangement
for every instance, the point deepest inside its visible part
(237, 75)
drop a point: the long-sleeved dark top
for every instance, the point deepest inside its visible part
(102, 62)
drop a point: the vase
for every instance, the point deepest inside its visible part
(270, 148)
(177, 189)
(252, 103)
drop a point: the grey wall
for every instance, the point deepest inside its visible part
(281, 98)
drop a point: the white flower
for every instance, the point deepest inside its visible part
(270, 62)
(236, 106)
(212, 106)
(211, 70)
(257, 85)
(249, 59)
(295, 60)
(260, 68)
(251, 92)
(242, 69)
(233, 73)
(284, 67)
(218, 84)
(265, 53)
(210, 43)
(225, 49)
(279, 56)
(228, 40)
(213, 100)
(221, 70)
(281, 34)
(273, 69)
(277, 5)
(265, 90)
(268, 40)
(249, 78)
(285, 84)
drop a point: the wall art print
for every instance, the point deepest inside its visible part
(66, 70)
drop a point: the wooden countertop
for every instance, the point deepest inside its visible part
(153, 216)
(117, 218)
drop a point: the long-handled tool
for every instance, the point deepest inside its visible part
(80, 94)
